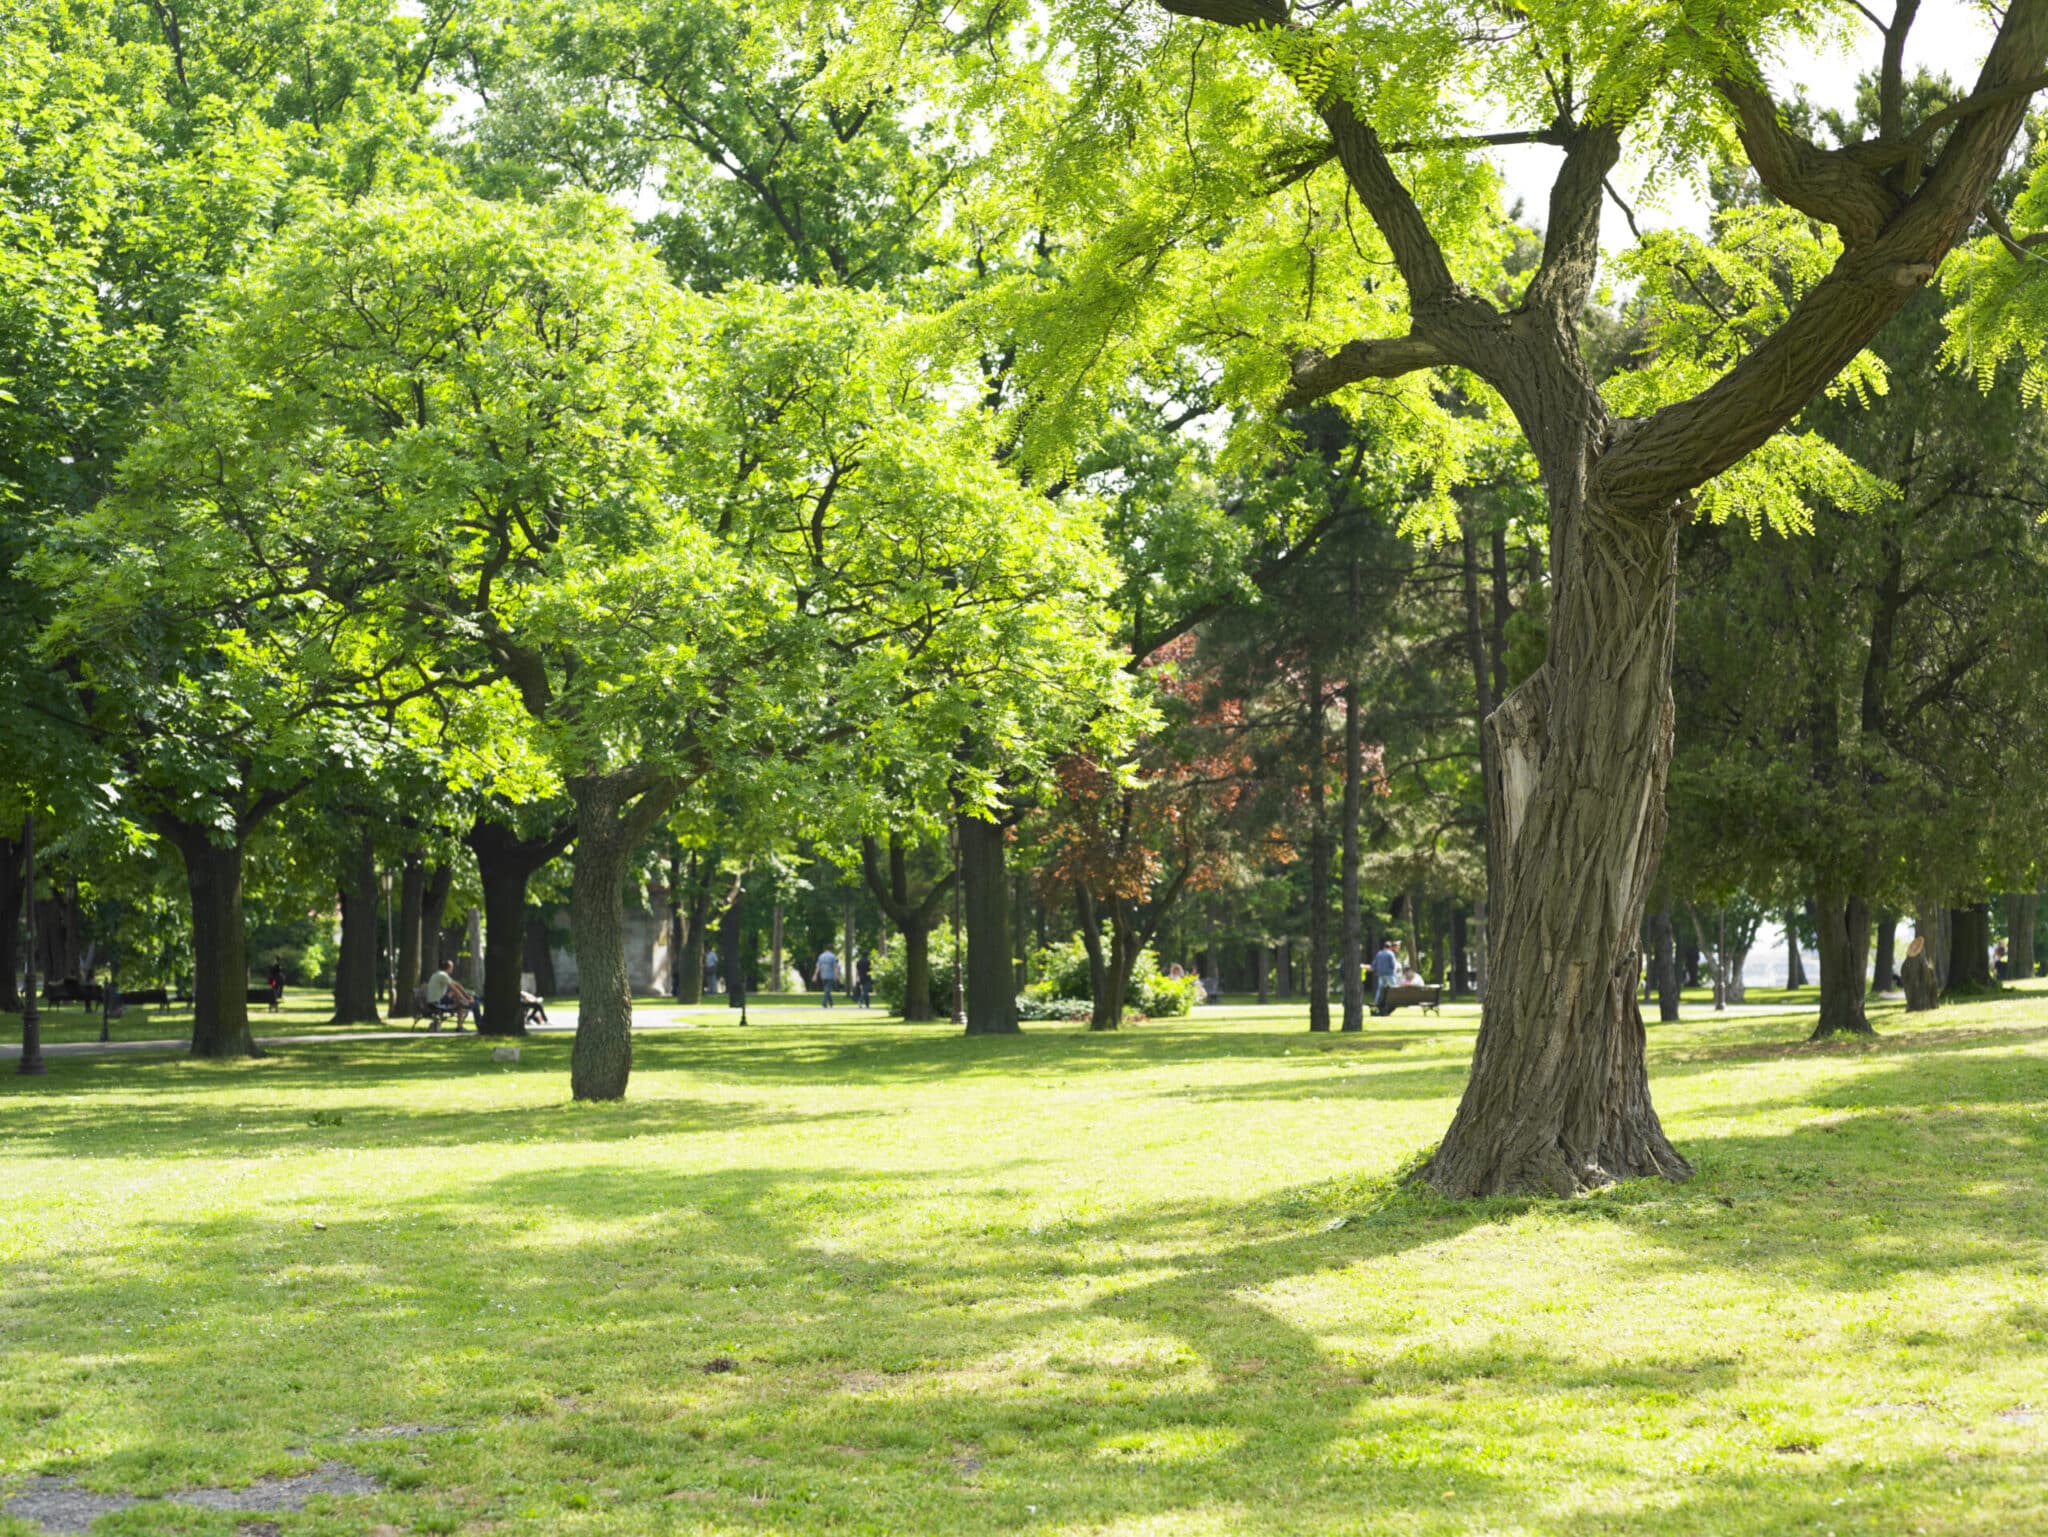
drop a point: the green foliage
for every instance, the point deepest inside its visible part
(1061, 973)
(889, 979)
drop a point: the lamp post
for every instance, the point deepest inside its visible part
(959, 997)
(31, 1017)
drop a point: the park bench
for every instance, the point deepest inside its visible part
(71, 990)
(431, 1014)
(1427, 995)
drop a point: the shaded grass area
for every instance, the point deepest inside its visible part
(849, 1275)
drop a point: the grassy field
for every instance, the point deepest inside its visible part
(837, 1274)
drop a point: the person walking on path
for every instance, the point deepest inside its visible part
(1385, 967)
(863, 988)
(826, 972)
(276, 981)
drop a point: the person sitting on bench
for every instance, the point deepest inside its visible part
(445, 993)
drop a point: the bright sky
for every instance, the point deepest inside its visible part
(1949, 37)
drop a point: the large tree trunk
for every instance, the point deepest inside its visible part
(985, 910)
(1882, 975)
(506, 864)
(1843, 923)
(1559, 1097)
(1461, 960)
(434, 946)
(1353, 952)
(12, 869)
(2020, 909)
(220, 967)
(614, 813)
(1664, 964)
(355, 968)
(1969, 949)
(703, 872)
(1932, 924)
(917, 972)
(412, 891)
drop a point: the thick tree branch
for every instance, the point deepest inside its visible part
(1571, 244)
(1837, 187)
(1689, 443)
(1317, 373)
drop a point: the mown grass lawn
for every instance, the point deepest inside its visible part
(1162, 1281)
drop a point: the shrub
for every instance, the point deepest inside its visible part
(1030, 1008)
(1062, 973)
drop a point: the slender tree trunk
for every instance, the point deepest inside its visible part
(1559, 1097)
(1969, 949)
(1461, 959)
(412, 891)
(220, 967)
(1843, 925)
(1795, 963)
(703, 871)
(985, 911)
(355, 968)
(776, 967)
(2020, 909)
(434, 945)
(540, 956)
(732, 938)
(1103, 1013)
(1262, 969)
(11, 873)
(917, 972)
(1318, 865)
(1883, 976)
(1353, 962)
(1664, 963)
(614, 812)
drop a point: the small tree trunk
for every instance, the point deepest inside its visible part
(1882, 976)
(690, 986)
(355, 968)
(1969, 949)
(2020, 908)
(985, 912)
(1353, 951)
(1318, 865)
(1283, 968)
(775, 963)
(11, 872)
(220, 968)
(610, 824)
(412, 890)
(434, 947)
(1103, 1013)
(1795, 963)
(1843, 923)
(1261, 968)
(1918, 980)
(1559, 1096)
(1461, 956)
(1664, 963)
(917, 972)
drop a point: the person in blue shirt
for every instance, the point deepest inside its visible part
(826, 972)
(1385, 968)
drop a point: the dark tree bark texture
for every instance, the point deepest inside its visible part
(614, 813)
(412, 891)
(1795, 963)
(1883, 978)
(1352, 964)
(913, 918)
(355, 968)
(1664, 965)
(990, 979)
(1969, 949)
(506, 864)
(1843, 923)
(220, 967)
(1917, 979)
(2020, 910)
(12, 871)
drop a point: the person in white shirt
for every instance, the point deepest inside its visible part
(443, 987)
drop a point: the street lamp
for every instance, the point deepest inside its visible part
(31, 1016)
(959, 997)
